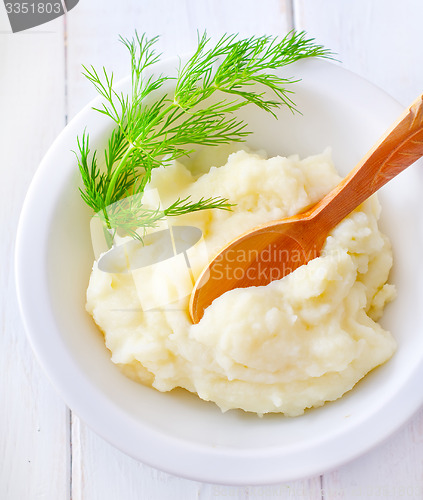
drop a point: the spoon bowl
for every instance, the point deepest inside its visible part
(256, 258)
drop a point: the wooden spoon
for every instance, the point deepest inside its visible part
(273, 250)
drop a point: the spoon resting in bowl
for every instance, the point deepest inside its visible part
(275, 249)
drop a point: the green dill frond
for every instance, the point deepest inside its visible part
(154, 128)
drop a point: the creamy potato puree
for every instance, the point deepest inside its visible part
(284, 347)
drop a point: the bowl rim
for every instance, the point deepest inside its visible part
(172, 454)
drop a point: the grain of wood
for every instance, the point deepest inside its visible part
(34, 442)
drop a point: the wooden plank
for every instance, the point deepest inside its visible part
(98, 469)
(34, 422)
(379, 40)
(93, 31)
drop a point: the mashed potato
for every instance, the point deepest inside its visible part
(293, 344)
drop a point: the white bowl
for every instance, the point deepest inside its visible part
(177, 432)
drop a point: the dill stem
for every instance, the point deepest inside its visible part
(107, 236)
(125, 157)
(115, 175)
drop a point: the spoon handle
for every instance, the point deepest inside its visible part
(397, 149)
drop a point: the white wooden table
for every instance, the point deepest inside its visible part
(46, 452)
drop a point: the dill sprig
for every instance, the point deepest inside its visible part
(154, 127)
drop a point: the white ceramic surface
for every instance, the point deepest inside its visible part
(176, 431)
